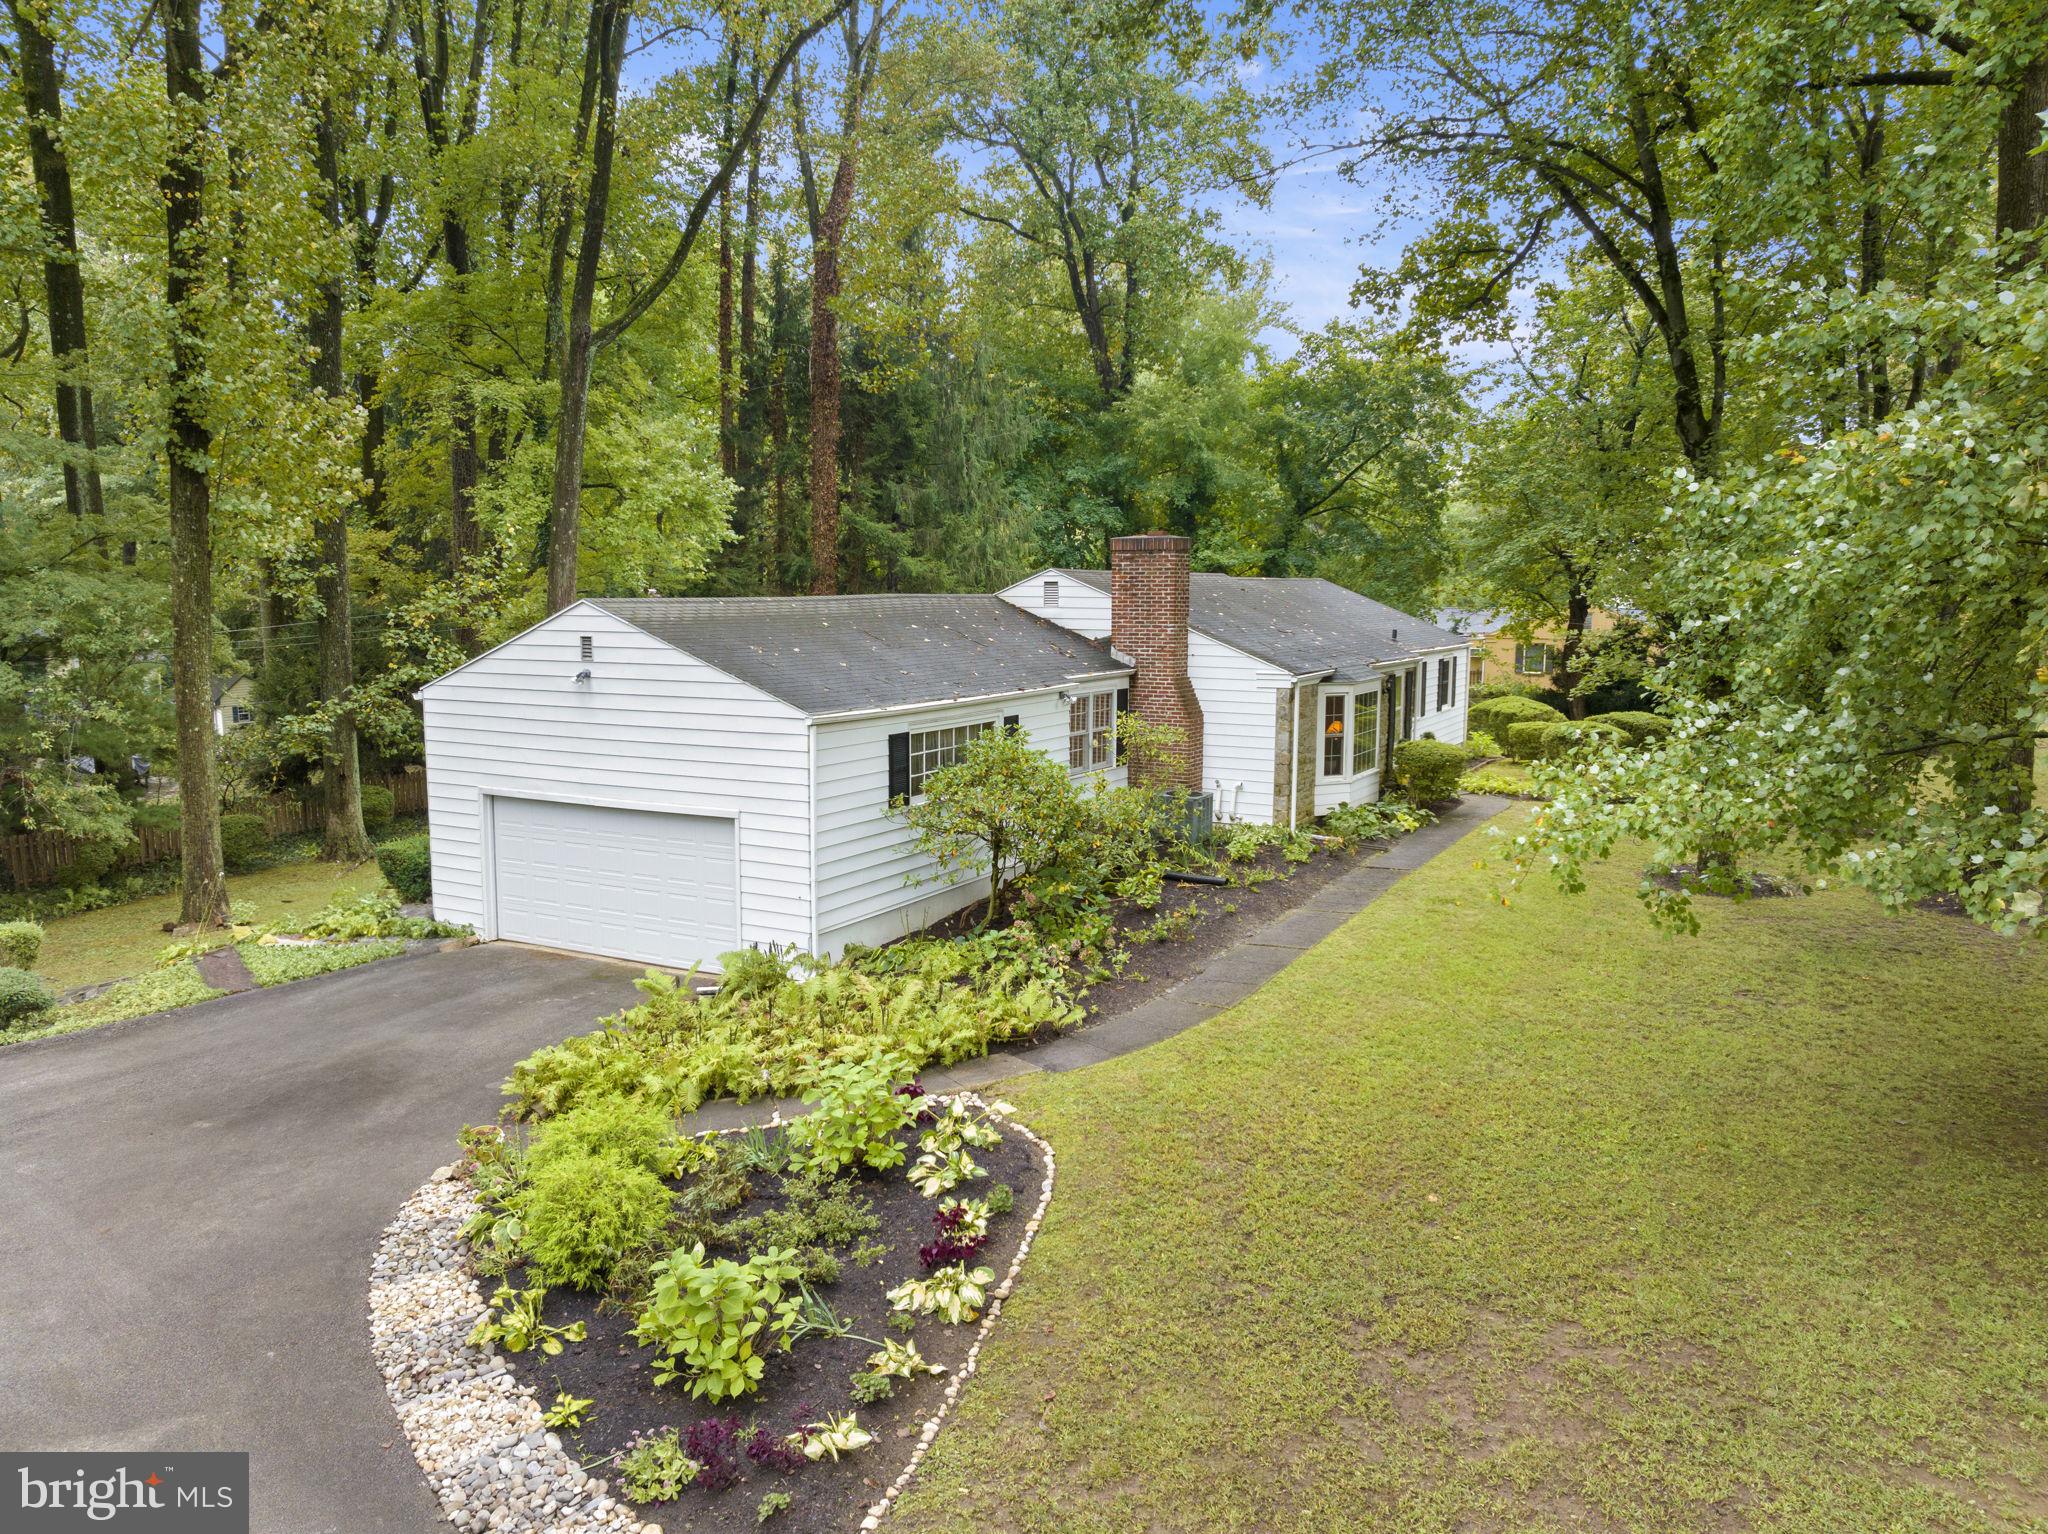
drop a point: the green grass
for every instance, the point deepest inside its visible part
(1486, 1218)
(125, 939)
(160, 991)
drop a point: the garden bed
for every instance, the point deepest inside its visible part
(496, 1460)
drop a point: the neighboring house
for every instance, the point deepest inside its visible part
(1507, 649)
(234, 703)
(665, 780)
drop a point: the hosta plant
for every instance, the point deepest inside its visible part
(833, 1437)
(937, 1173)
(966, 1218)
(954, 1294)
(711, 1319)
(513, 1323)
(902, 1361)
(954, 1125)
(568, 1411)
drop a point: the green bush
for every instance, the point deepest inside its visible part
(20, 942)
(1640, 727)
(1005, 810)
(706, 1317)
(1480, 745)
(378, 807)
(244, 839)
(1557, 740)
(1525, 738)
(1495, 780)
(857, 1118)
(636, 1132)
(22, 995)
(1510, 687)
(923, 999)
(1428, 770)
(582, 1211)
(90, 863)
(407, 864)
(1497, 716)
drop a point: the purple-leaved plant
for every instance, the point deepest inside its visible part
(714, 1445)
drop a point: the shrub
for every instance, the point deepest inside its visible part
(1641, 728)
(1479, 745)
(1508, 687)
(1497, 716)
(90, 863)
(378, 806)
(858, 1116)
(922, 999)
(1004, 809)
(243, 839)
(22, 995)
(20, 942)
(707, 1316)
(638, 1133)
(1493, 780)
(1428, 770)
(583, 1211)
(1557, 740)
(1526, 737)
(407, 864)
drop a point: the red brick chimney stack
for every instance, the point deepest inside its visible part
(1148, 621)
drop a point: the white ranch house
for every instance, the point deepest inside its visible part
(663, 780)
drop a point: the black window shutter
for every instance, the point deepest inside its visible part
(1012, 721)
(899, 766)
(1123, 700)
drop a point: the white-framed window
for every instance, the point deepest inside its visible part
(1052, 593)
(1532, 660)
(1336, 706)
(241, 713)
(1091, 732)
(932, 749)
(1365, 732)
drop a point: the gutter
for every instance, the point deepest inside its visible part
(927, 704)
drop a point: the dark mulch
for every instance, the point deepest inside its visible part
(1161, 956)
(1686, 877)
(803, 1385)
(1224, 917)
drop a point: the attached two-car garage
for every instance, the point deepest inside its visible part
(634, 884)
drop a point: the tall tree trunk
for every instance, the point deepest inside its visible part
(63, 286)
(607, 51)
(204, 887)
(825, 377)
(1578, 609)
(728, 441)
(748, 471)
(342, 836)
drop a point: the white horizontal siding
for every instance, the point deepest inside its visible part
(1437, 719)
(873, 883)
(1237, 694)
(653, 728)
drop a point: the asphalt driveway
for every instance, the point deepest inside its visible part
(188, 1207)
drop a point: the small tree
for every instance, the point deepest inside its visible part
(1005, 809)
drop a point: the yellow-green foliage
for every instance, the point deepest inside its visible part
(928, 1001)
(636, 1132)
(20, 942)
(583, 1211)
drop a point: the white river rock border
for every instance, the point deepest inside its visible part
(478, 1434)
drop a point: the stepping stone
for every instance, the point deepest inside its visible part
(223, 969)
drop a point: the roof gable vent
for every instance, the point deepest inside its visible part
(1052, 593)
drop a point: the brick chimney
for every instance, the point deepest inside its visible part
(1148, 621)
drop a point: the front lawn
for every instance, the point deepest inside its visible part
(125, 939)
(1488, 1218)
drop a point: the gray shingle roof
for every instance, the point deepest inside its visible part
(839, 655)
(1301, 625)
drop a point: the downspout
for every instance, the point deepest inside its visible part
(1294, 759)
(811, 738)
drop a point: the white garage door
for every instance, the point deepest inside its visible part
(633, 884)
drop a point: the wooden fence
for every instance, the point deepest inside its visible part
(34, 858)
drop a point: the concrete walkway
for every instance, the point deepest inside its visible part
(1227, 979)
